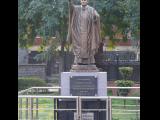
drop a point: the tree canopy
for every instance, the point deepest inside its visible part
(46, 17)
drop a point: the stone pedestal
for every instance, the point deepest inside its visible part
(83, 84)
(84, 68)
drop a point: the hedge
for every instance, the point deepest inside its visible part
(27, 82)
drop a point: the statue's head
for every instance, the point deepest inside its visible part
(84, 2)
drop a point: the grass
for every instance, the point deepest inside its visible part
(42, 105)
(119, 112)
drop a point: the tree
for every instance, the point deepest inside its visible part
(126, 73)
(42, 17)
(119, 16)
(45, 18)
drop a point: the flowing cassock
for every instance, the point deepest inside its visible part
(84, 33)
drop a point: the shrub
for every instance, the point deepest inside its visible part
(126, 73)
(27, 82)
(124, 83)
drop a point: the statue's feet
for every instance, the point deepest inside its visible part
(84, 68)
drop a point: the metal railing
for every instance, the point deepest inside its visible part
(33, 106)
(37, 90)
(56, 90)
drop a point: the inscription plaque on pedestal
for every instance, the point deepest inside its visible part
(83, 86)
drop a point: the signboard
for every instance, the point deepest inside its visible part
(83, 86)
(85, 116)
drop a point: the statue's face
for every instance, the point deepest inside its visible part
(84, 2)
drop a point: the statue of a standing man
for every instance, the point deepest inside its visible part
(83, 32)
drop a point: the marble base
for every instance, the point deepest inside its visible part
(100, 76)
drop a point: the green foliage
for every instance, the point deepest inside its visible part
(45, 17)
(27, 82)
(52, 50)
(124, 83)
(126, 72)
(122, 14)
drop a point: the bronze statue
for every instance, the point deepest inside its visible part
(83, 32)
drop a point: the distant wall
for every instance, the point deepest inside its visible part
(22, 56)
(38, 70)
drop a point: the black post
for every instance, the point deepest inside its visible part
(117, 60)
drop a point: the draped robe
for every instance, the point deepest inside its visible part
(84, 33)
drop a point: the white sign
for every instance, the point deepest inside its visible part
(85, 116)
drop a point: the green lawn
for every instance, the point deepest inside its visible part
(43, 104)
(119, 110)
